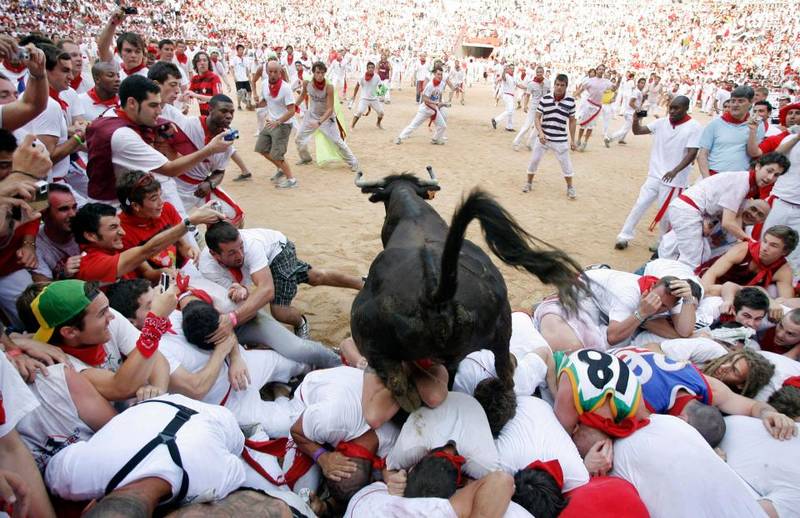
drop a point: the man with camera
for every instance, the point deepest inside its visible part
(130, 46)
(16, 113)
(675, 142)
(122, 140)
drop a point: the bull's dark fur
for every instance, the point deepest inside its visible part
(433, 294)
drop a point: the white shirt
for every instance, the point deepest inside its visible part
(508, 85)
(75, 108)
(91, 110)
(718, 192)
(771, 467)
(669, 147)
(374, 500)
(193, 128)
(333, 412)
(421, 72)
(616, 293)
(261, 246)
(694, 350)
(534, 433)
(240, 66)
(784, 368)
(531, 372)
(721, 96)
(210, 443)
(433, 92)
(677, 474)
(368, 87)
(16, 399)
(666, 267)
(123, 340)
(276, 106)
(53, 122)
(459, 418)
(596, 87)
(130, 153)
(787, 187)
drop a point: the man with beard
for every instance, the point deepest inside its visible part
(56, 250)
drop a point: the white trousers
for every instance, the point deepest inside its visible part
(784, 213)
(652, 190)
(423, 115)
(607, 114)
(560, 149)
(687, 222)
(528, 125)
(11, 287)
(330, 129)
(508, 113)
(621, 133)
(364, 104)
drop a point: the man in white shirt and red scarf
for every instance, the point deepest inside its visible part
(130, 47)
(591, 108)
(79, 82)
(103, 95)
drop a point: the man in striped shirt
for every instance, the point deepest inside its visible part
(552, 115)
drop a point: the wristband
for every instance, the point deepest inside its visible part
(12, 353)
(78, 139)
(233, 319)
(152, 330)
(317, 454)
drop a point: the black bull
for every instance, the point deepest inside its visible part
(431, 294)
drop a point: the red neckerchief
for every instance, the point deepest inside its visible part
(356, 451)
(522, 75)
(237, 274)
(437, 82)
(766, 125)
(76, 82)
(277, 448)
(794, 381)
(300, 74)
(206, 133)
(538, 80)
(727, 117)
(274, 89)
(456, 460)
(147, 134)
(765, 271)
(368, 76)
(182, 58)
(552, 467)
(213, 59)
(132, 71)
(94, 355)
(54, 95)
(92, 93)
(14, 68)
(319, 86)
(646, 283)
(686, 118)
(559, 99)
(624, 428)
(289, 59)
(754, 191)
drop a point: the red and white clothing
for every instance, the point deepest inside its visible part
(769, 466)
(785, 368)
(209, 443)
(508, 90)
(590, 108)
(534, 433)
(331, 127)
(786, 206)
(93, 106)
(459, 418)
(435, 93)
(52, 122)
(670, 143)
(708, 197)
(677, 474)
(369, 98)
(261, 246)
(140, 70)
(16, 400)
(82, 83)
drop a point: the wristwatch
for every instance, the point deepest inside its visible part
(638, 316)
(188, 225)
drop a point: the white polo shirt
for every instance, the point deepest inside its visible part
(210, 444)
(261, 246)
(771, 467)
(53, 123)
(669, 147)
(276, 106)
(535, 433)
(460, 418)
(531, 372)
(787, 187)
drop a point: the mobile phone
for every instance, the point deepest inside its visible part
(127, 9)
(164, 281)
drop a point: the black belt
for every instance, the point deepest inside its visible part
(166, 437)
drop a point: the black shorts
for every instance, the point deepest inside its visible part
(243, 85)
(287, 272)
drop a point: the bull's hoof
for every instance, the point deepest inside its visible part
(404, 392)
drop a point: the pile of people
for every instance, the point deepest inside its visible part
(153, 360)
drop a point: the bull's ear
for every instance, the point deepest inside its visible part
(430, 192)
(379, 195)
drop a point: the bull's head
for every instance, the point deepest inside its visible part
(382, 189)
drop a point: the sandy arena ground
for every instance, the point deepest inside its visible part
(334, 226)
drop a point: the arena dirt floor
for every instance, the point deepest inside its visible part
(334, 226)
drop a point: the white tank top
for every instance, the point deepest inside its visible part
(317, 100)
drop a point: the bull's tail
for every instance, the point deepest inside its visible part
(509, 242)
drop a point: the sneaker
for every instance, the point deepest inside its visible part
(621, 244)
(242, 177)
(511, 129)
(437, 142)
(607, 141)
(303, 162)
(397, 140)
(571, 194)
(515, 147)
(277, 176)
(494, 124)
(583, 146)
(303, 329)
(622, 142)
(288, 183)
(654, 247)
(527, 187)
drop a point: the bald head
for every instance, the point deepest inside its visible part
(678, 108)
(103, 67)
(273, 71)
(680, 100)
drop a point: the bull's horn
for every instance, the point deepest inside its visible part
(432, 181)
(361, 184)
